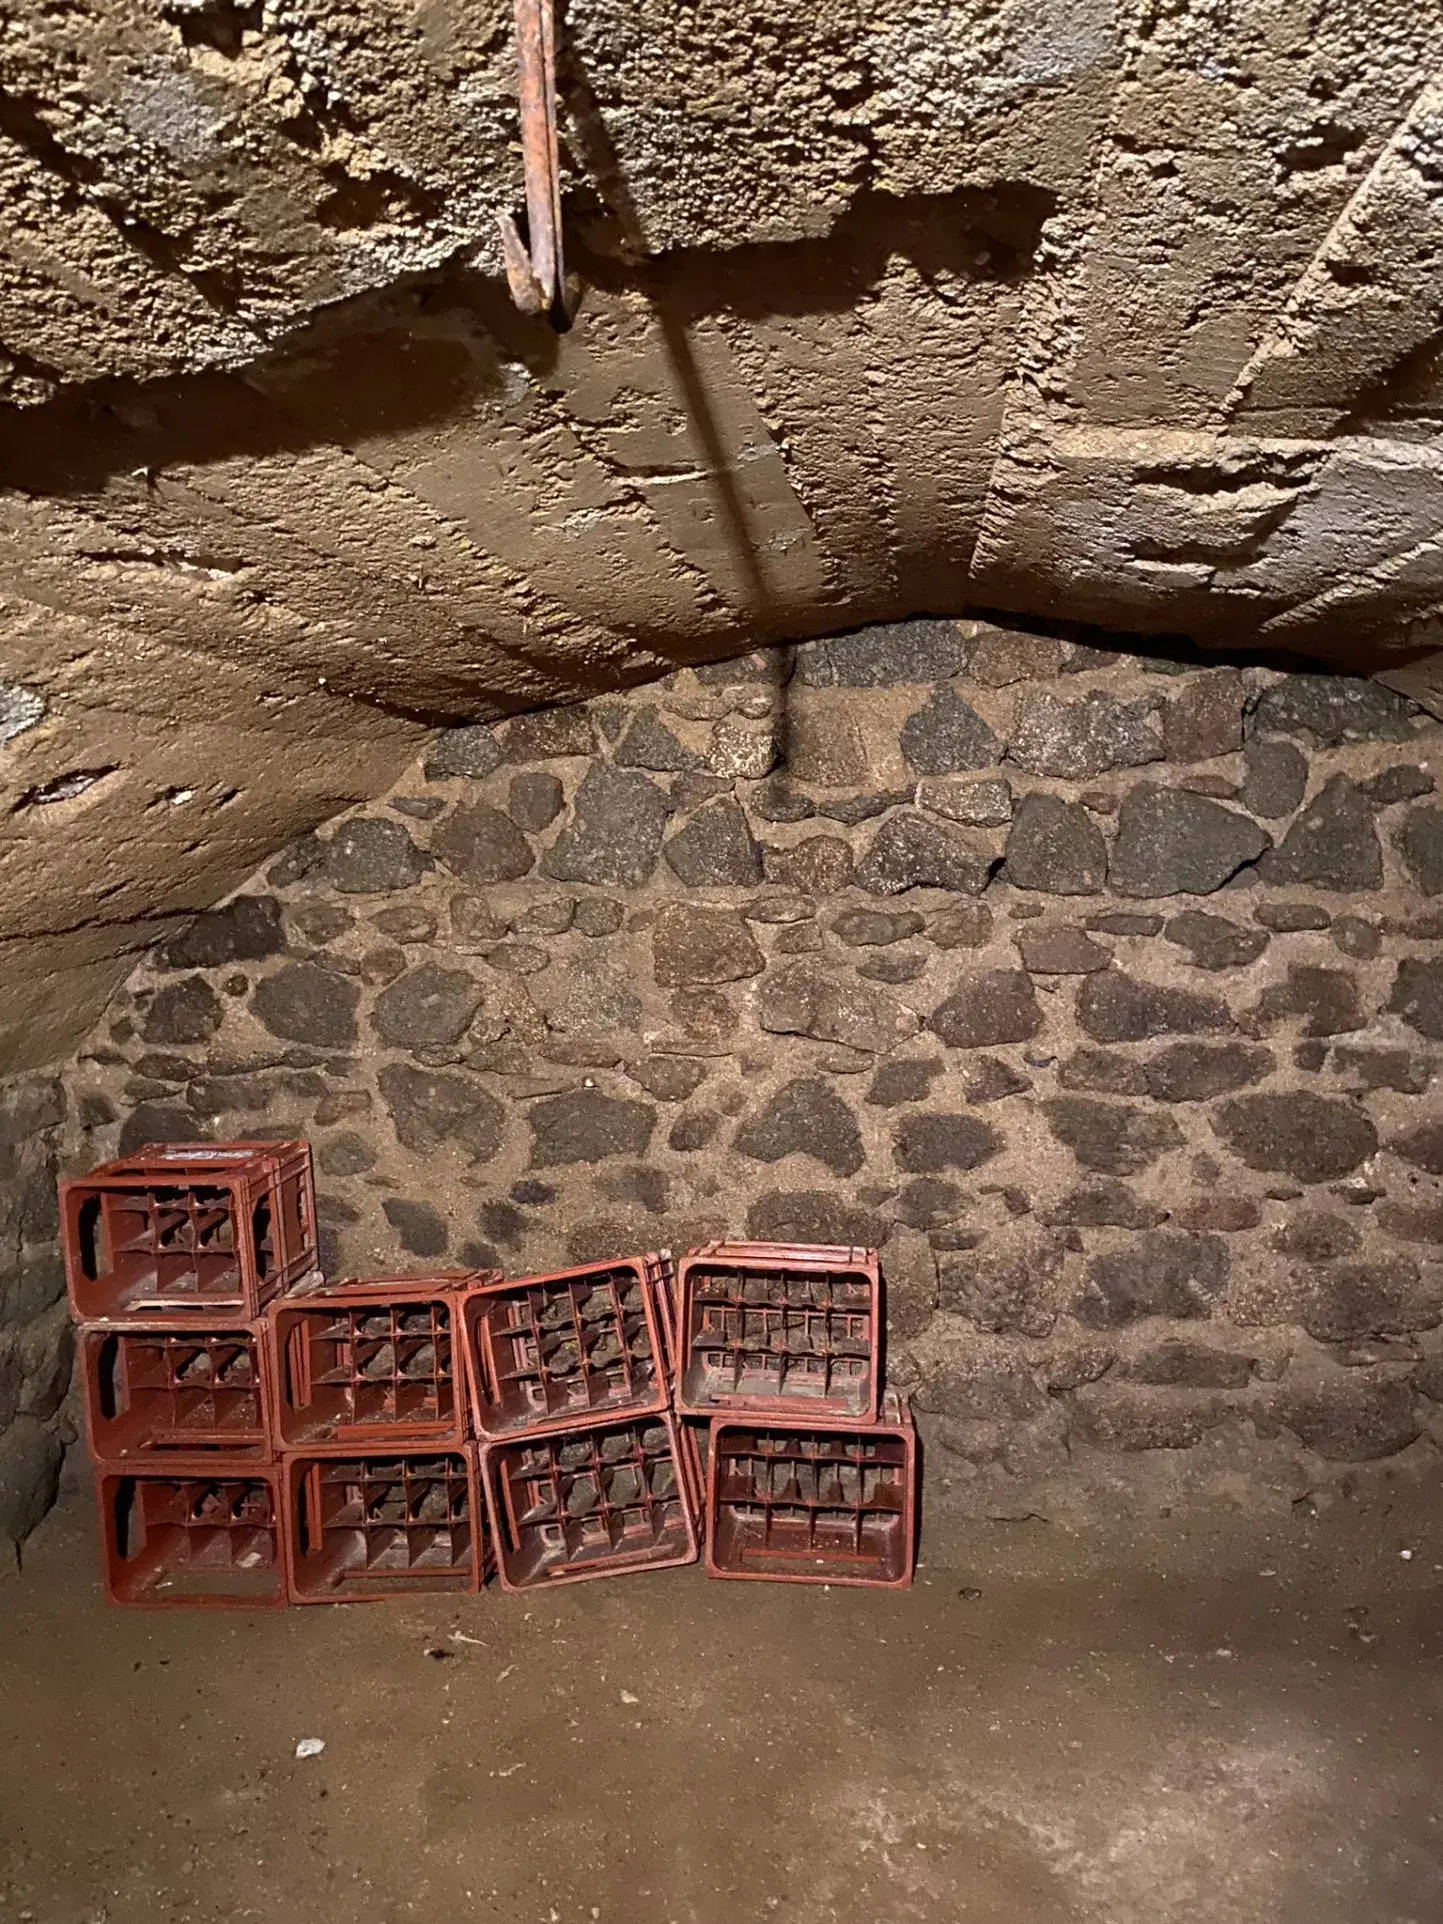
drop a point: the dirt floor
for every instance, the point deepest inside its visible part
(1220, 1724)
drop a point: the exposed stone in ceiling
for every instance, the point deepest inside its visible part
(1123, 315)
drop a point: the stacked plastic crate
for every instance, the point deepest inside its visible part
(172, 1256)
(810, 1463)
(581, 1453)
(379, 1476)
(262, 1435)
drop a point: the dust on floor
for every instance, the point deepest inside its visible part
(1208, 1724)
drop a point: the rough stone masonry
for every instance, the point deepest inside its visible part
(1105, 993)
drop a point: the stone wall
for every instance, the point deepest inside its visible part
(1103, 992)
(35, 1339)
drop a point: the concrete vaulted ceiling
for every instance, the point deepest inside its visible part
(1125, 315)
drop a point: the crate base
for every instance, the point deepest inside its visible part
(797, 1503)
(192, 1533)
(618, 1498)
(383, 1523)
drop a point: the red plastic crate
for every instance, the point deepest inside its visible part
(567, 1349)
(794, 1504)
(383, 1524)
(191, 1533)
(149, 1391)
(371, 1361)
(189, 1229)
(601, 1502)
(786, 1328)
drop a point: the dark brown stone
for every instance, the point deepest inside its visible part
(247, 929)
(1054, 848)
(370, 856)
(805, 1117)
(1104, 1072)
(482, 845)
(614, 833)
(1275, 779)
(1012, 1284)
(907, 1080)
(1060, 951)
(1398, 1069)
(927, 1202)
(426, 1008)
(911, 850)
(547, 733)
(429, 1107)
(534, 800)
(1403, 782)
(1077, 739)
(887, 656)
(1226, 1213)
(668, 1078)
(797, 998)
(586, 1126)
(812, 1216)
(925, 1144)
(1206, 718)
(968, 926)
(693, 1131)
(1000, 656)
(420, 1227)
(872, 928)
(345, 1155)
(892, 965)
(471, 751)
(1133, 1417)
(597, 915)
(1357, 938)
(1353, 1419)
(947, 736)
(702, 945)
(1113, 1007)
(1194, 1366)
(183, 1012)
(706, 1014)
(1114, 1138)
(1326, 1000)
(993, 1006)
(819, 865)
(1213, 942)
(1124, 922)
(1104, 1205)
(1309, 1137)
(1418, 995)
(1198, 1071)
(989, 1079)
(1333, 844)
(1413, 1223)
(1421, 1145)
(1171, 842)
(1316, 1237)
(1290, 917)
(1157, 1274)
(305, 1002)
(1334, 710)
(649, 743)
(716, 849)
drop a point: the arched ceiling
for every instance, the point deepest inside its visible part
(1116, 314)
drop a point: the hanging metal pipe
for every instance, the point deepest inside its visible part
(535, 268)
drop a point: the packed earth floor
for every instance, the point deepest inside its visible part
(1221, 1721)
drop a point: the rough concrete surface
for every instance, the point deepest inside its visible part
(1123, 315)
(1231, 1722)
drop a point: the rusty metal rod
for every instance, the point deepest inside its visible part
(535, 269)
